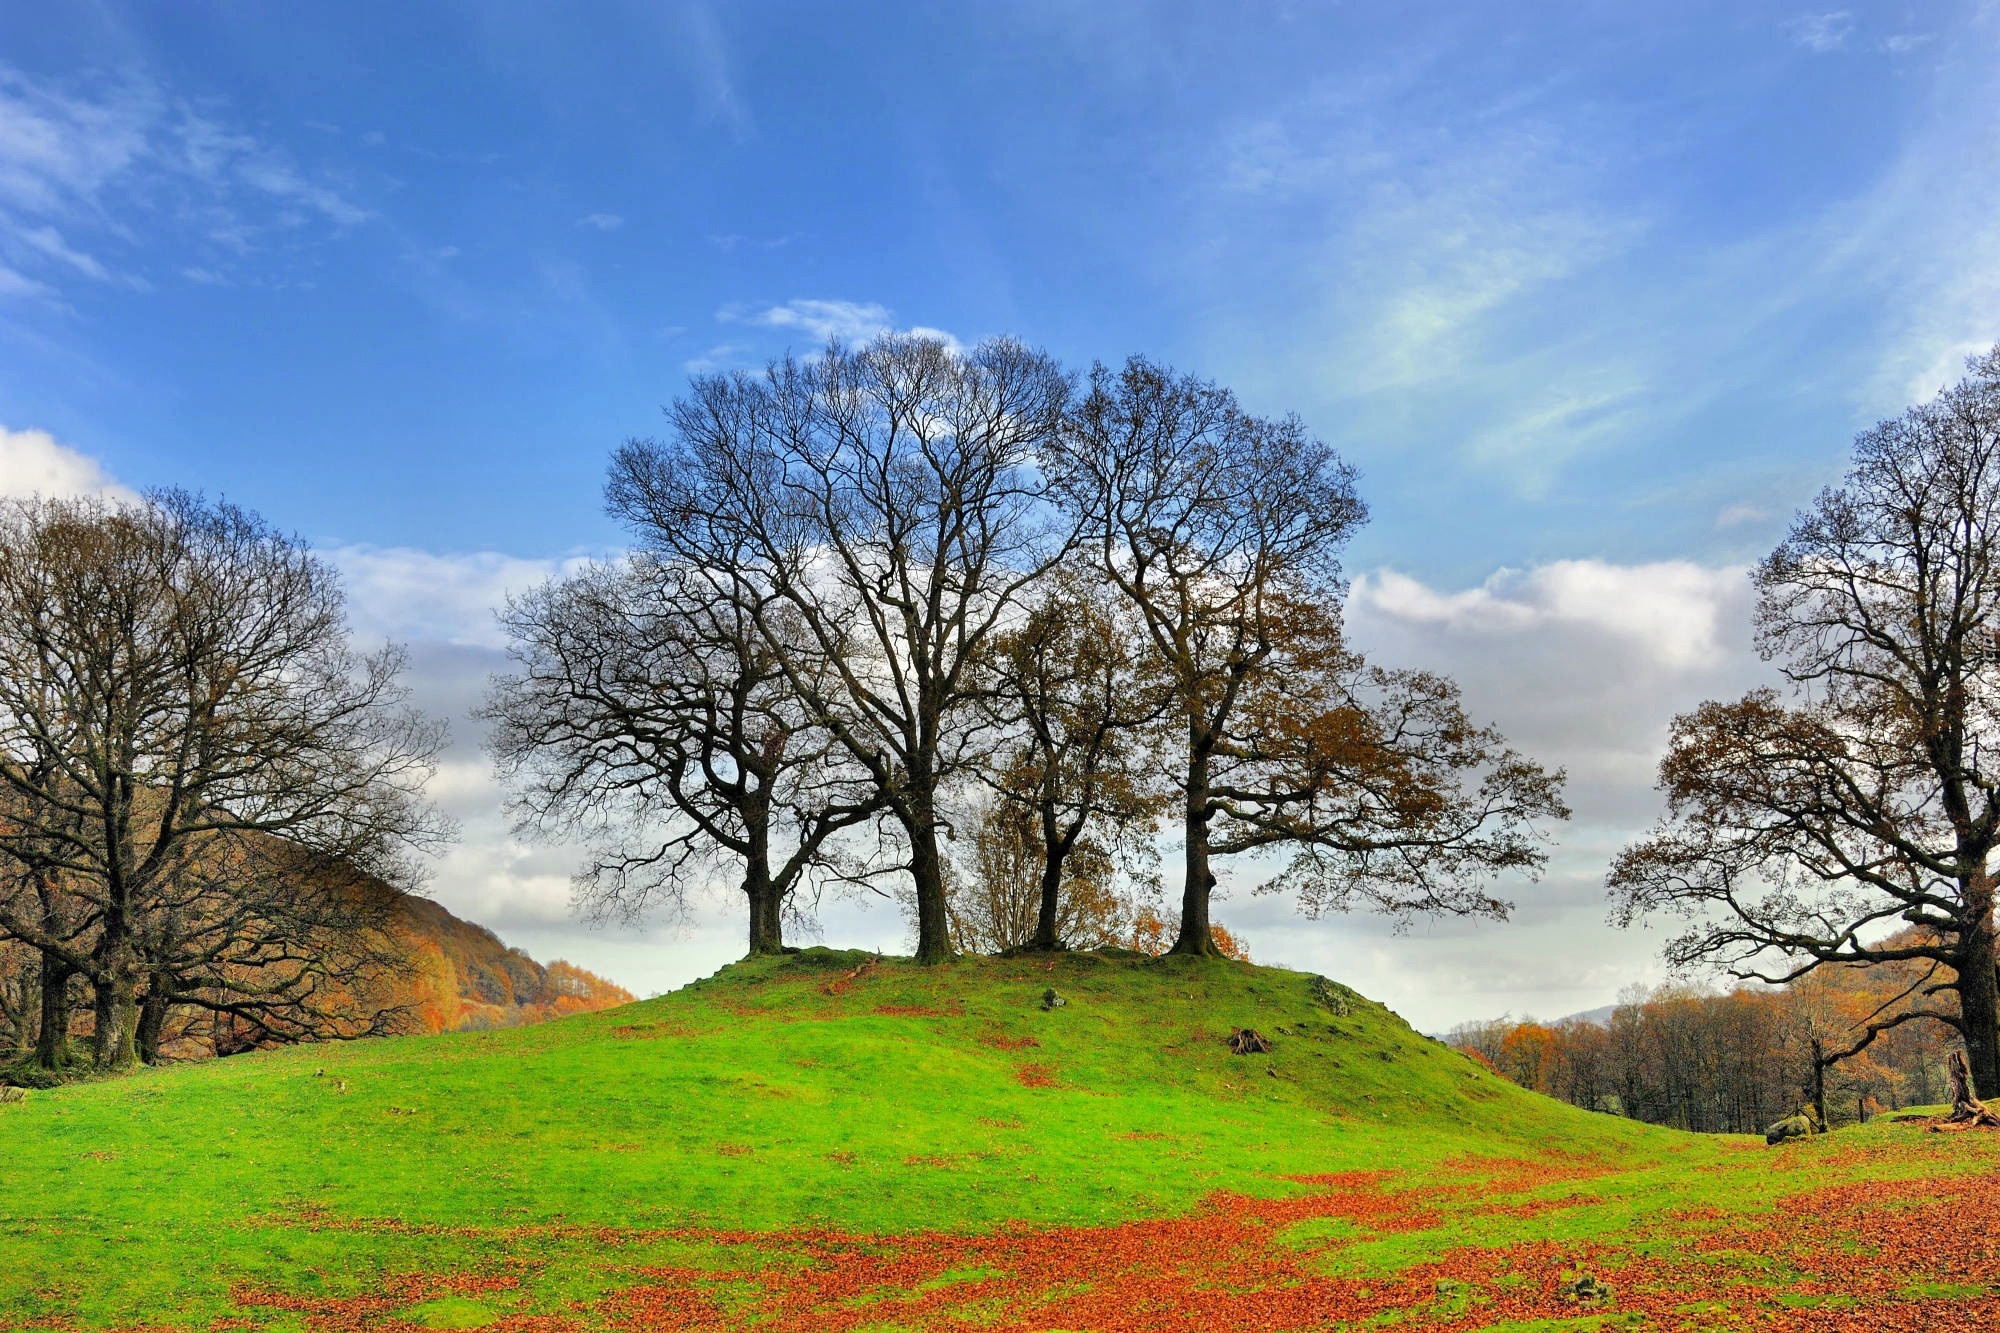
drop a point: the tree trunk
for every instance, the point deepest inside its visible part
(116, 1010)
(152, 1024)
(1045, 917)
(52, 1050)
(1199, 881)
(927, 871)
(1978, 988)
(1966, 1108)
(1819, 1079)
(767, 930)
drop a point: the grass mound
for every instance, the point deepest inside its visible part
(828, 1140)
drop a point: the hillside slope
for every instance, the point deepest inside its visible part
(478, 981)
(691, 1161)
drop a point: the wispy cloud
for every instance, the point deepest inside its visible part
(722, 356)
(601, 221)
(849, 321)
(715, 81)
(124, 163)
(1821, 33)
(1736, 515)
(48, 242)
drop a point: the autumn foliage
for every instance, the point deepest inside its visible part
(1728, 1061)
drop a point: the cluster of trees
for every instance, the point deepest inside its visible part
(205, 791)
(967, 629)
(1728, 1062)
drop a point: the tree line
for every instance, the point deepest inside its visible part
(1730, 1062)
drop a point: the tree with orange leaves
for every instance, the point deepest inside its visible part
(1222, 531)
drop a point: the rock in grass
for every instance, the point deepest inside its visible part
(1585, 1289)
(1791, 1127)
(1333, 996)
(1051, 1000)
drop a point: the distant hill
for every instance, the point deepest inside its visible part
(471, 980)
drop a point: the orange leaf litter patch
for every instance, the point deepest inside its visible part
(1842, 1259)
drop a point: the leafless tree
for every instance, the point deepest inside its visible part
(1223, 530)
(888, 498)
(647, 703)
(175, 676)
(1802, 830)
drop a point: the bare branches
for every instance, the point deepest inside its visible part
(649, 706)
(176, 683)
(1808, 829)
(887, 498)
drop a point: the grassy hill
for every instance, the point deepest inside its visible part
(823, 1141)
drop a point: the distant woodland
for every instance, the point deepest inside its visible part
(441, 974)
(1733, 1061)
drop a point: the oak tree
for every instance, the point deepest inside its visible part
(649, 709)
(1222, 531)
(888, 498)
(1804, 827)
(1076, 788)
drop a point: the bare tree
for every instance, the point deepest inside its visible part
(1802, 830)
(887, 496)
(1076, 683)
(647, 701)
(1223, 532)
(176, 675)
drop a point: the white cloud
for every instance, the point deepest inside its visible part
(1582, 664)
(404, 594)
(849, 321)
(601, 221)
(1902, 42)
(1821, 33)
(1736, 515)
(33, 462)
(1671, 610)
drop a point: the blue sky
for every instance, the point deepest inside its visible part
(1593, 294)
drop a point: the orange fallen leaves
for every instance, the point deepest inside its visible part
(1844, 1259)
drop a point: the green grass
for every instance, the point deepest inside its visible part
(571, 1159)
